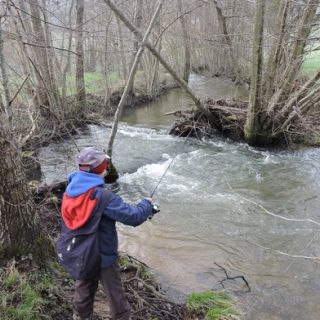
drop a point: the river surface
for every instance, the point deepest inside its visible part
(220, 203)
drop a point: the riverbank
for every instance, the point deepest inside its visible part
(46, 292)
(98, 110)
(229, 118)
(30, 292)
(35, 292)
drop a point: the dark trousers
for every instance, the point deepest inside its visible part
(85, 291)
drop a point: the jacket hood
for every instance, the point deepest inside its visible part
(81, 182)
(77, 203)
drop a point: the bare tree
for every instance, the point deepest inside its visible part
(67, 65)
(49, 89)
(20, 233)
(122, 51)
(187, 54)
(252, 127)
(228, 40)
(80, 84)
(272, 112)
(4, 75)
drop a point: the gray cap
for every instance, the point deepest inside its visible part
(90, 157)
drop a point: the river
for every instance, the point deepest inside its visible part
(221, 202)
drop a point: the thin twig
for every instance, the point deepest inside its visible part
(266, 210)
(232, 278)
(19, 89)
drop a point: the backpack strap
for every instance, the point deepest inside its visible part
(103, 197)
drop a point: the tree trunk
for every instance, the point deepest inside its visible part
(155, 80)
(19, 232)
(4, 76)
(54, 65)
(80, 84)
(285, 85)
(186, 40)
(92, 57)
(138, 23)
(23, 54)
(234, 66)
(253, 129)
(277, 48)
(48, 89)
(66, 68)
(122, 52)
(105, 63)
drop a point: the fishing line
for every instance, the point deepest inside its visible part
(168, 167)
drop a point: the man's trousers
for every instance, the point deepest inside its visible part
(85, 291)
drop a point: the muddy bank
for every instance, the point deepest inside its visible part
(145, 294)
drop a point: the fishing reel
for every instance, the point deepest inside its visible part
(155, 209)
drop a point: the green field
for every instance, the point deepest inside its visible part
(95, 82)
(312, 63)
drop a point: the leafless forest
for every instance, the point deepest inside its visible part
(65, 63)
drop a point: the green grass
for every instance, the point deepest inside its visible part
(311, 63)
(30, 296)
(213, 304)
(19, 300)
(94, 82)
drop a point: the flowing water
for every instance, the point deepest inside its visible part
(220, 203)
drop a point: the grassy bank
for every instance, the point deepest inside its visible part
(212, 305)
(96, 82)
(30, 293)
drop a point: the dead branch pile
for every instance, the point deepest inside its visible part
(228, 119)
(146, 298)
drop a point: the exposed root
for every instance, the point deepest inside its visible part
(147, 299)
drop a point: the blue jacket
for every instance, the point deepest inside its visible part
(78, 205)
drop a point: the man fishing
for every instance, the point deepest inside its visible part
(82, 200)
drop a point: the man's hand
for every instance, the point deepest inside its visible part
(150, 200)
(155, 207)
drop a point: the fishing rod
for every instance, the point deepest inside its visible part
(155, 206)
(162, 176)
